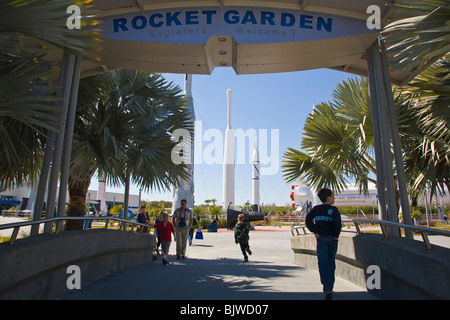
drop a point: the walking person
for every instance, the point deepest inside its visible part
(325, 222)
(182, 220)
(142, 217)
(241, 236)
(158, 233)
(192, 229)
(166, 229)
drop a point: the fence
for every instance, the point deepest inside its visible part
(59, 222)
(386, 229)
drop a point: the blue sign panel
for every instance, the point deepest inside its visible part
(246, 25)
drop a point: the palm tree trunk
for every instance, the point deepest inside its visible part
(77, 205)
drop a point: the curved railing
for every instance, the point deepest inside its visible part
(385, 226)
(124, 224)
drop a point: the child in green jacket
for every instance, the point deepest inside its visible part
(241, 231)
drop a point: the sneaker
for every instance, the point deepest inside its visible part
(164, 262)
(178, 257)
(329, 296)
(246, 259)
(248, 251)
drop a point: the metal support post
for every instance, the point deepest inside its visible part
(49, 145)
(65, 84)
(398, 154)
(385, 139)
(68, 137)
(42, 186)
(385, 135)
(377, 138)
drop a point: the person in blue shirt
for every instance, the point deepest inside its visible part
(325, 222)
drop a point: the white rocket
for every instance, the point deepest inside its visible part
(186, 187)
(228, 161)
(255, 178)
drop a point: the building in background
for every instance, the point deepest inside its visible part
(351, 197)
(20, 197)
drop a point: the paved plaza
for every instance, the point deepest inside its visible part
(214, 270)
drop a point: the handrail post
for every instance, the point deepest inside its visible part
(384, 230)
(358, 230)
(86, 225)
(13, 238)
(59, 226)
(426, 240)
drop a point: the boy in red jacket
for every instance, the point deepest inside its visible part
(166, 229)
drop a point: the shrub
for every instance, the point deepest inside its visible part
(416, 214)
(116, 209)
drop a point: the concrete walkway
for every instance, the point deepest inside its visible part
(214, 270)
(24, 231)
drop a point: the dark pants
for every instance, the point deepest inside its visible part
(244, 246)
(326, 255)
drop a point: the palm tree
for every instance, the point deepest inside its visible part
(427, 145)
(147, 157)
(338, 139)
(123, 126)
(416, 42)
(28, 110)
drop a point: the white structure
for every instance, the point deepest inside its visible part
(349, 197)
(301, 194)
(228, 161)
(101, 192)
(255, 178)
(186, 188)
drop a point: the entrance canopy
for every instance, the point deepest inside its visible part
(196, 36)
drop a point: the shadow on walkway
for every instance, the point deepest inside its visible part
(209, 279)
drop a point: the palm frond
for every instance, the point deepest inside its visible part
(124, 129)
(46, 20)
(299, 165)
(417, 41)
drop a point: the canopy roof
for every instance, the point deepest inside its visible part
(252, 36)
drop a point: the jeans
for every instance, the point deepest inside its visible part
(326, 254)
(191, 235)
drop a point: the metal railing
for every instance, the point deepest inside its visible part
(307, 206)
(123, 224)
(384, 227)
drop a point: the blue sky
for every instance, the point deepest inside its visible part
(280, 101)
